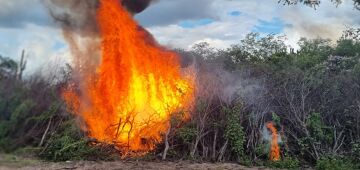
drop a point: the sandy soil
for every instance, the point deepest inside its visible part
(128, 165)
(8, 162)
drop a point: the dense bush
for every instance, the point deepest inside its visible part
(314, 92)
(29, 109)
(234, 132)
(32, 114)
(69, 143)
(332, 163)
(285, 163)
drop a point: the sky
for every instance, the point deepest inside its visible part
(25, 24)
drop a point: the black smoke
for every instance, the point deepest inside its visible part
(136, 6)
(80, 15)
(77, 18)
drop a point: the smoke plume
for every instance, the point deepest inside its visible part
(136, 6)
(77, 19)
(80, 15)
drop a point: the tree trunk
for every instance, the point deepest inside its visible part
(213, 156)
(45, 133)
(222, 151)
(166, 144)
(193, 149)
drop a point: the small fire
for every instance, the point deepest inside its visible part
(137, 86)
(274, 146)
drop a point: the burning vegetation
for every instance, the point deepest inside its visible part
(128, 101)
(274, 153)
(124, 95)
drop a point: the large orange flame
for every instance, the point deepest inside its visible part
(136, 87)
(274, 148)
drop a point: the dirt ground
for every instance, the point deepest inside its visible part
(9, 162)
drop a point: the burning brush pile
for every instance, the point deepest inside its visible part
(125, 85)
(128, 96)
(126, 90)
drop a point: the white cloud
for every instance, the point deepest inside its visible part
(18, 13)
(219, 33)
(167, 12)
(328, 21)
(43, 45)
(41, 40)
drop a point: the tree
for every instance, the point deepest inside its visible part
(352, 34)
(314, 3)
(255, 48)
(8, 67)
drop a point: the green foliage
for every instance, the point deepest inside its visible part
(17, 121)
(279, 61)
(21, 111)
(275, 118)
(347, 47)
(63, 148)
(256, 49)
(321, 136)
(317, 127)
(352, 33)
(187, 133)
(355, 151)
(6, 144)
(312, 52)
(8, 67)
(262, 149)
(204, 50)
(70, 144)
(332, 163)
(315, 3)
(313, 92)
(285, 163)
(234, 131)
(7, 63)
(26, 107)
(21, 118)
(317, 47)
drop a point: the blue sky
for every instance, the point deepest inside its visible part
(195, 23)
(235, 13)
(275, 26)
(25, 24)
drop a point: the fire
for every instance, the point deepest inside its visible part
(274, 148)
(136, 88)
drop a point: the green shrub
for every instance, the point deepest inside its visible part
(332, 163)
(187, 134)
(234, 132)
(262, 149)
(5, 144)
(318, 128)
(63, 148)
(12, 128)
(285, 163)
(70, 144)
